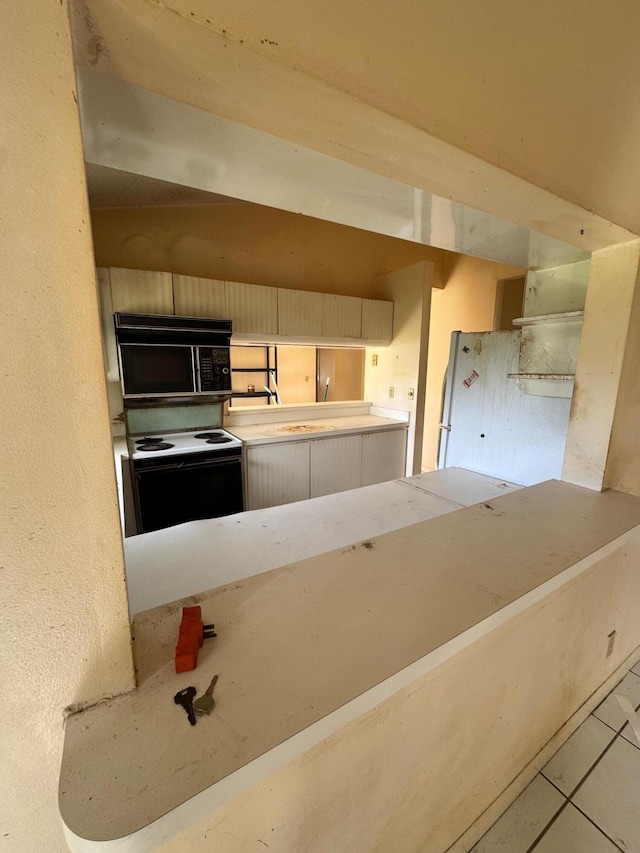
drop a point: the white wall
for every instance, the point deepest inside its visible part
(602, 447)
(64, 631)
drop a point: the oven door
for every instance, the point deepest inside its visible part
(168, 494)
(155, 369)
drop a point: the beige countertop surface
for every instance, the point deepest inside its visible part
(267, 433)
(259, 540)
(297, 643)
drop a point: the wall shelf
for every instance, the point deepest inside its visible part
(553, 376)
(268, 355)
(541, 319)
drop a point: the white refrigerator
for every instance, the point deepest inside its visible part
(489, 424)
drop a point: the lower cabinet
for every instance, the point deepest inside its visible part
(335, 465)
(277, 474)
(383, 456)
(280, 473)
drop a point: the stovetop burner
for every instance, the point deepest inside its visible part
(212, 441)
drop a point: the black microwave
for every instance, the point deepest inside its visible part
(163, 356)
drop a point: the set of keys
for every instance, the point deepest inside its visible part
(202, 705)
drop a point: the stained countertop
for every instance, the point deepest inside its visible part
(285, 669)
(266, 433)
(259, 540)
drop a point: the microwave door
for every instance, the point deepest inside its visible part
(155, 369)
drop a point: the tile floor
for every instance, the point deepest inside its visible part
(587, 798)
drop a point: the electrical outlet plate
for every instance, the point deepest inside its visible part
(391, 392)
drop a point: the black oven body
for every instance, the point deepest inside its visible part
(187, 487)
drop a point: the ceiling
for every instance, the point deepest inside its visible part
(114, 188)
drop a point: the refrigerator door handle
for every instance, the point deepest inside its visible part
(446, 410)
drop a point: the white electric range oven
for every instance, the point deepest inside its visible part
(185, 476)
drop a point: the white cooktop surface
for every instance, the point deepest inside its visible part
(194, 441)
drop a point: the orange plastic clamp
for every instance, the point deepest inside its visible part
(190, 639)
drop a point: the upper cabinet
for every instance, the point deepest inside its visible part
(377, 320)
(141, 291)
(252, 308)
(300, 313)
(199, 297)
(256, 312)
(341, 316)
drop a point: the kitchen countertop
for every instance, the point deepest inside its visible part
(259, 540)
(267, 433)
(292, 675)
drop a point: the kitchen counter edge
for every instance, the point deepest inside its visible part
(255, 434)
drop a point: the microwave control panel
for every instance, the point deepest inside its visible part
(215, 368)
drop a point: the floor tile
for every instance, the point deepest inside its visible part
(610, 711)
(609, 795)
(636, 668)
(578, 754)
(628, 734)
(571, 832)
(525, 818)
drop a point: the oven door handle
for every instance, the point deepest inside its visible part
(176, 466)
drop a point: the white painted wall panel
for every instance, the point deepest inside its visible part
(252, 308)
(383, 456)
(377, 320)
(141, 291)
(336, 465)
(199, 297)
(299, 313)
(277, 474)
(341, 316)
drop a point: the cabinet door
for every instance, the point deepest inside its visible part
(299, 313)
(252, 308)
(199, 297)
(383, 456)
(377, 320)
(277, 474)
(341, 316)
(141, 291)
(336, 464)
